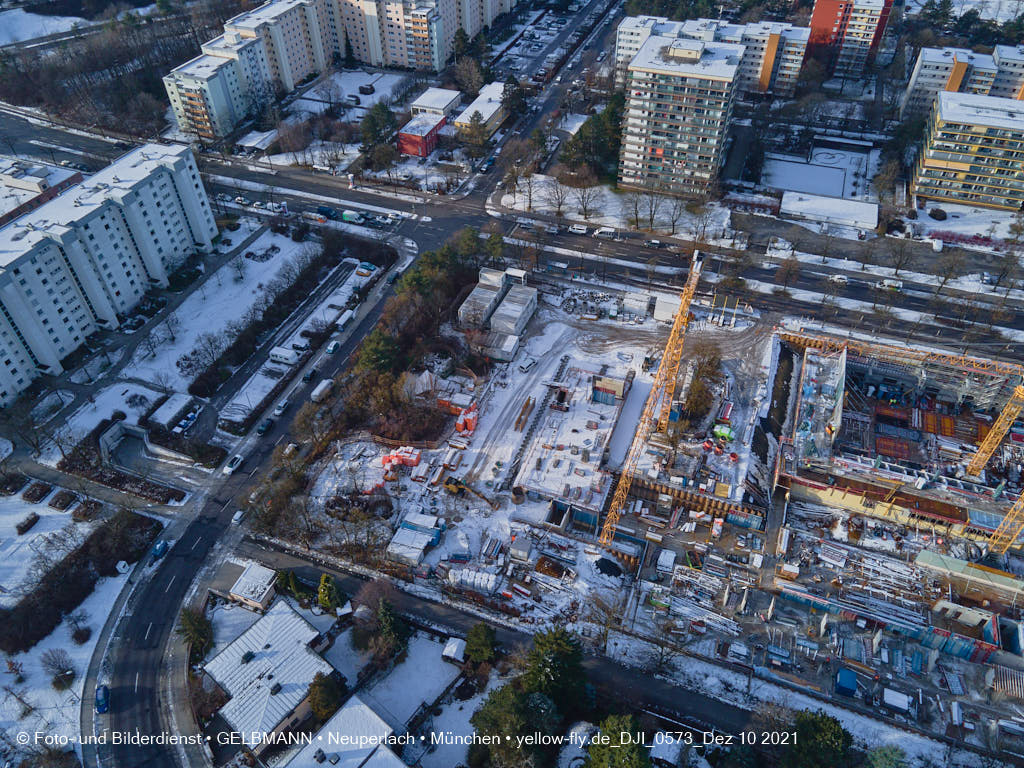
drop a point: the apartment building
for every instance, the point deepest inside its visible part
(28, 184)
(278, 45)
(81, 261)
(973, 152)
(959, 70)
(773, 52)
(845, 34)
(679, 98)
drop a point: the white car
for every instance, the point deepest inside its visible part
(233, 463)
(838, 279)
(281, 408)
(578, 229)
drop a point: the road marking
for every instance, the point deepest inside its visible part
(194, 545)
(279, 439)
(226, 504)
(257, 468)
(170, 582)
(150, 627)
(136, 682)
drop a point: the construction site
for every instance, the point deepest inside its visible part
(837, 516)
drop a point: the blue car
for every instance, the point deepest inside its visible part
(102, 699)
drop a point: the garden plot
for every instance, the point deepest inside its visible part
(420, 679)
(340, 85)
(211, 314)
(229, 621)
(18, 551)
(57, 713)
(454, 718)
(611, 209)
(347, 659)
(429, 175)
(326, 154)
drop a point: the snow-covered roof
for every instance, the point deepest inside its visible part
(58, 215)
(202, 67)
(1009, 53)
(384, 758)
(688, 58)
(436, 99)
(667, 748)
(950, 55)
(353, 734)
(487, 103)
(255, 583)
(275, 679)
(454, 649)
(975, 109)
(23, 180)
(833, 210)
(268, 12)
(168, 412)
(258, 139)
(422, 124)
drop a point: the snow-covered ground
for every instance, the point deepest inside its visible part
(131, 398)
(611, 209)
(830, 172)
(454, 718)
(571, 123)
(421, 677)
(348, 660)
(325, 154)
(18, 24)
(56, 713)
(340, 85)
(964, 220)
(215, 308)
(997, 10)
(229, 621)
(18, 551)
(429, 175)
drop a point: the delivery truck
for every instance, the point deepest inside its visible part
(321, 390)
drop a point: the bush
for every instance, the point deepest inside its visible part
(938, 214)
(81, 635)
(86, 511)
(62, 500)
(26, 525)
(37, 492)
(12, 484)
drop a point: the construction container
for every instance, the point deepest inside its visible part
(515, 310)
(846, 682)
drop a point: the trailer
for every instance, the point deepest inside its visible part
(284, 355)
(321, 390)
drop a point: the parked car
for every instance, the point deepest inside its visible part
(281, 408)
(309, 375)
(333, 347)
(265, 426)
(578, 229)
(233, 463)
(236, 519)
(838, 279)
(102, 699)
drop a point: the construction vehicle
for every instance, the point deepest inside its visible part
(659, 402)
(458, 487)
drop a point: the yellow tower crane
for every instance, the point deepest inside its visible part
(995, 436)
(659, 401)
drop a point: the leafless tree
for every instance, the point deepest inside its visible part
(556, 193)
(652, 202)
(676, 210)
(631, 202)
(528, 182)
(172, 322)
(239, 266)
(901, 255)
(788, 271)
(949, 266)
(586, 196)
(56, 662)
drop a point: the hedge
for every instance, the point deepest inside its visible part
(125, 536)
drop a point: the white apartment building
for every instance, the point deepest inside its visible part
(679, 99)
(83, 260)
(959, 70)
(858, 42)
(773, 52)
(283, 42)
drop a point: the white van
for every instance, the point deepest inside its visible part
(578, 229)
(236, 519)
(605, 232)
(527, 365)
(889, 285)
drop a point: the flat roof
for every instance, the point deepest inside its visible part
(837, 210)
(202, 67)
(978, 574)
(974, 109)
(34, 174)
(263, 14)
(55, 217)
(421, 124)
(1009, 52)
(352, 735)
(255, 583)
(436, 98)
(267, 671)
(949, 55)
(487, 103)
(689, 58)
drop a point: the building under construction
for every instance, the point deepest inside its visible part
(891, 432)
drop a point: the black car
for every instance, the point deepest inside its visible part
(264, 426)
(309, 375)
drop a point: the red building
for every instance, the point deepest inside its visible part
(419, 136)
(845, 34)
